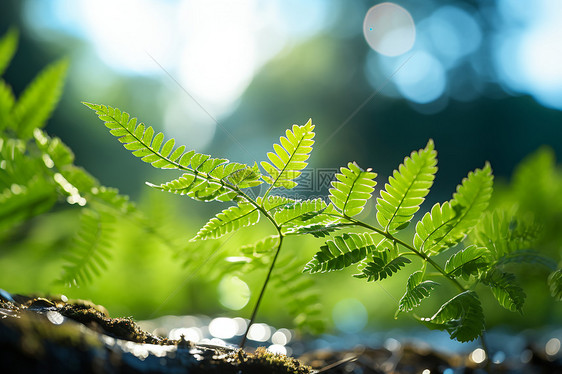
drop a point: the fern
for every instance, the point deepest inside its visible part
(242, 215)
(39, 99)
(380, 266)
(342, 252)
(416, 290)
(207, 178)
(505, 289)
(353, 188)
(467, 262)
(462, 317)
(289, 158)
(446, 225)
(301, 211)
(502, 233)
(406, 189)
(495, 241)
(91, 248)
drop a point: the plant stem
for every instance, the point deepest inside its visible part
(409, 247)
(433, 263)
(256, 307)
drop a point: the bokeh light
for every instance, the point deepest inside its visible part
(389, 29)
(349, 315)
(234, 293)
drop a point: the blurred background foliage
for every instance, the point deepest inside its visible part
(483, 79)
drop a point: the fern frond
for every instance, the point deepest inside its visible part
(461, 317)
(289, 158)
(39, 99)
(295, 214)
(8, 46)
(198, 188)
(503, 233)
(91, 248)
(416, 291)
(352, 189)
(467, 262)
(505, 289)
(446, 225)
(380, 265)
(406, 189)
(205, 179)
(242, 215)
(343, 251)
(555, 284)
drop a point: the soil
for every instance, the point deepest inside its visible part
(56, 335)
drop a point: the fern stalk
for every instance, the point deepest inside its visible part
(262, 292)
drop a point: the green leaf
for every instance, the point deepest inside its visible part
(446, 225)
(416, 291)
(8, 47)
(555, 284)
(273, 203)
(503, 233)
(319, 230)
(380, 265)
(205, 178)
(294, 214)
(461, 317)
(198, 188)
(39, 99)
(20, 202)
(352, 189)
(342, 252)
(467, 262)
(90, 250)
(242, 215)
(289, 158)
(505, 289)
(406, 189)
(261, 247)
(7, 101)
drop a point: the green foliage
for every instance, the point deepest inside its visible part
(37, 172)
(289, 158)
(462, 317)
(38, 100)
(496, 238)
(381, 265)
(416, 290)
(466, 262)
(8, 46)
(229, 220)
(342, 252)
(91, 249)
(447, 224)
(353, 188)
(406, 189)
(505, 289)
